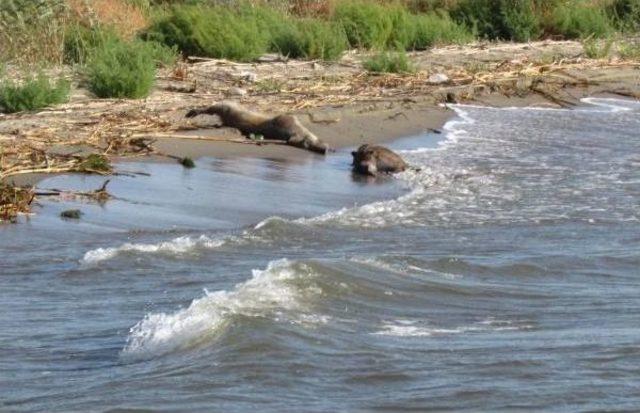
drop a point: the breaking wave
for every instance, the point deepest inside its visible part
(281, 292)
(176, 246)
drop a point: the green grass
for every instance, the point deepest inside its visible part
(43, 31)
(389, 62)
(367, 25)
(311, 39)
(218, 32)
(629, 50)
(403, 28)
(500, 19)
(163, 55)
(482, 16)
(371, 26)
(269, 85)
(80, 41)
(95, 163)
(625, 14)
(34, 93)
(437, 29)
(475, 67)
(596, 49)
(240, 32)
(577, 20)
(520, 22)
(31, 31)
(120, 69)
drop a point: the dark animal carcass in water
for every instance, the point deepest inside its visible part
(373, 160)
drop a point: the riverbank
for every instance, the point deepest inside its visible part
(340, 102)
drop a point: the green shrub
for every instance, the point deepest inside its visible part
(389, 62)
(403, 28)
(95, 163)
(163, 55)
(268, 20)
(578, 20)
(520, 22)
(625, 14)
(483, 16)
(426, 6)
(218, 32)
(433, 29)
(80, 41)
(121, 69)
(34, 93)
(311, 39)
(500, 19)
(366, 24)
(32, 31)
(595, 49)
(371, 25)
(629, 50)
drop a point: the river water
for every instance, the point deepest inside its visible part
(503, 275)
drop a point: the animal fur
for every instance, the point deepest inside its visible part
(373, 159)
(282, 127)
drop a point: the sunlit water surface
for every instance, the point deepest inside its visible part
(504, 275)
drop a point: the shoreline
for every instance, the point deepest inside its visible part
(348, 127)
(339, 102)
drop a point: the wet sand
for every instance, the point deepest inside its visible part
(349, 127)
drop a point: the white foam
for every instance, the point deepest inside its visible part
(612, 104)
(278, 292)
(615, 105)
(178, 245)
(403, 269)
(395, 211)
(408, 328)
(267, 221)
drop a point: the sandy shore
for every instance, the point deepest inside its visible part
(348, 127)
(339, 102)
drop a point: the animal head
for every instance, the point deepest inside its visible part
(364, 161)
(361, 154)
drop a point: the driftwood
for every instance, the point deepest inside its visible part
(100, 195)
(14, 201)
(286, 128)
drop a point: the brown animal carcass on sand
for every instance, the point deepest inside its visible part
(282, 127)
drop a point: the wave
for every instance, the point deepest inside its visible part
(265, 231)
(411, 328)
(179, 245)
(613, 104)
(404, 268)
(280, 292)
(407, 208)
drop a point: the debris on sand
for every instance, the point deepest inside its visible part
(14, 201)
